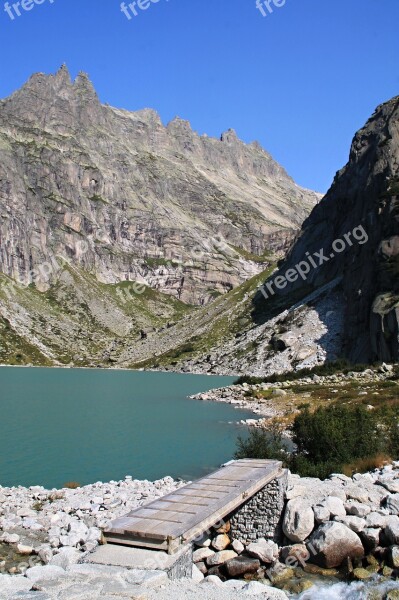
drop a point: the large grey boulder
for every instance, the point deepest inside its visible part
(392, 529)
(332, 543)
(298, 521)
(392, 504)
(46, 572)
(328, 509)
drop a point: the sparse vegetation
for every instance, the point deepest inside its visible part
(71, 485)
(346, 438)
(329, 368)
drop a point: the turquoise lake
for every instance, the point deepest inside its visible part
(61, 425)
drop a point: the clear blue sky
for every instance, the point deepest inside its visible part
(301, 80)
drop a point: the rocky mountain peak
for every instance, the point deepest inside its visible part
(229, 137)
(140, 194)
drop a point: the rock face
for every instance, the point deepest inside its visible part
(361, 210)
(123, 197)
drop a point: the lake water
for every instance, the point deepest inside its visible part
(61, 425)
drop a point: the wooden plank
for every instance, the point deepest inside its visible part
(191, 510)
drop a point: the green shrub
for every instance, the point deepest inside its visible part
(261, 444)
(337, 438)
(336, 434)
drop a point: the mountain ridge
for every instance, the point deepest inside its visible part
(139, 192)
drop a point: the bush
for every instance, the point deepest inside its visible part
(336, 434)
(337, 438)
(261, 444)
(71, 485)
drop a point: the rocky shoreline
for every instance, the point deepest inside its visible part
(343, 529)
(277, 401)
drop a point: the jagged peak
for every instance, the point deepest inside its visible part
(84, 84)
(63, 74)
(178, 123)
(149, 115)
(229, 136)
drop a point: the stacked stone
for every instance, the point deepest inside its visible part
(261, 517)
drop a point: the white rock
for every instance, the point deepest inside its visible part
(46, 572)
(24, 550)
(221, 542)
(357, 508)
(266, 551)
(298, 521)
(66, 557)
(321, 513)
(213, 580)
(238, 546)
(10, 538)
(197, 576)
(203, 542)
(355, 523)
(149, 579)
(13, 584)
(376, 519)
(45, 554)
(202, 554)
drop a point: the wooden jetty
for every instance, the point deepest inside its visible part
(180, 517)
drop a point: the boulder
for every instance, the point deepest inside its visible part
(370, 538)
(225, 528)
(376, 519)
(201, 566)
(321, 513)
(196, 574)
(221, 542)
(219, 558)
(329, 508)
(298, 521)
(203, 542)
(47, 572)
(242, 565)
(332, 543)
(266, 551)
(357, 509)
(392, 504)
(392, 485)
(238, 546)
(202, 554)
(24, 550)
(355, 523)
(66, 557)
(293, 556)
(394, 557)
(392, 530)
(10, 538)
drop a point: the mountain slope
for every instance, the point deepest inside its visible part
(124, 198)
(346, 304)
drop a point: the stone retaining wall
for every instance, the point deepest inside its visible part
(262, 515)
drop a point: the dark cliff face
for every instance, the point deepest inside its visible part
(361, 209)
(151, 202)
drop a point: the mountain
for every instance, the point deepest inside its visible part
(336, 295)
(189, 215)
(95, 199)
